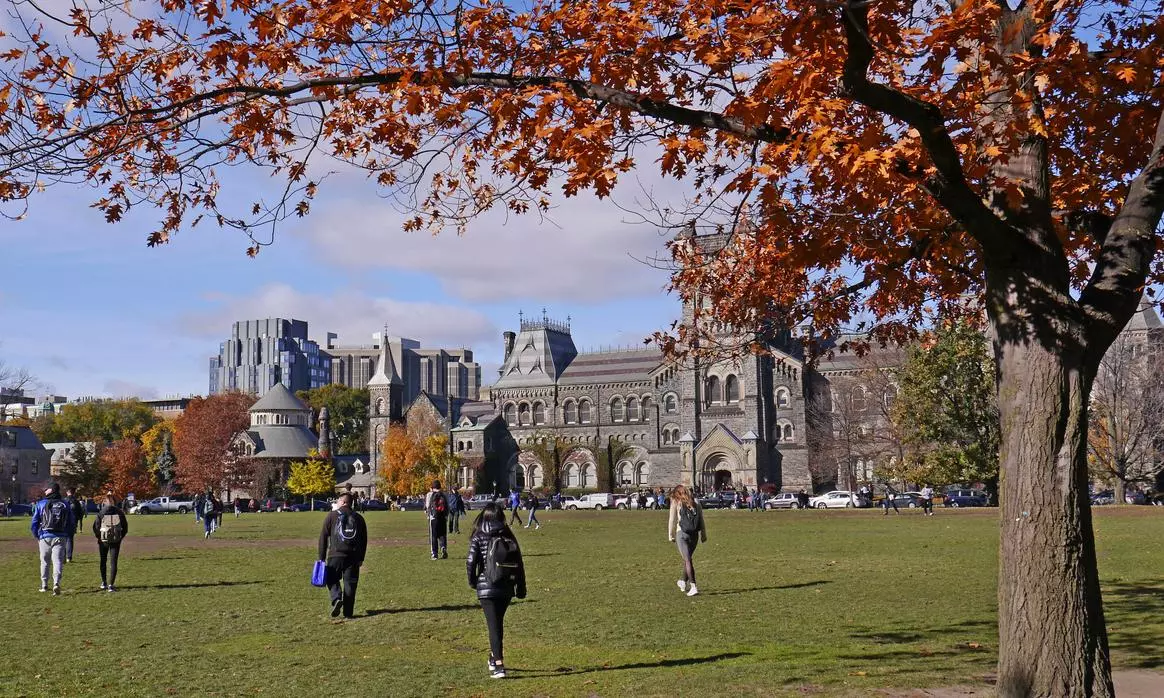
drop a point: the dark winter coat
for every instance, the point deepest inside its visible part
(110, 511)
(475, 564)
(332, 547)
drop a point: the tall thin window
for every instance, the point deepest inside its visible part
(511, 414)
(714, 391)
(584, 412)
(632, 409)
(539, 413)
(783, 399)
(670, 404)
(731, 390)
(616, 410)
(523, 417)
(571, 412)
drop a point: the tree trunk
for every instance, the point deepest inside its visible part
(1120, 492)
(1052, 638)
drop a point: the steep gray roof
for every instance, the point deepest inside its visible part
(476, 410)
(385, 367)
(22, 438)
(612, 367)
(283, 441)
(1145, 318)
(278, 397)
(541, 352)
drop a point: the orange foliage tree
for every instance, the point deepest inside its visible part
(203, 435)
(401, 452)
(124, 462)
(890, 158)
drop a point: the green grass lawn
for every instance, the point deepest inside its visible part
(832, 603)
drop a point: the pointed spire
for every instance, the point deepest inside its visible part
(386, 370)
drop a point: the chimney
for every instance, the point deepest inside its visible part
(510, 338)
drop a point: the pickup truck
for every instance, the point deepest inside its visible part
(159, 505)
(599, 501)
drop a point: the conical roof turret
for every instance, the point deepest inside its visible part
(386, 368)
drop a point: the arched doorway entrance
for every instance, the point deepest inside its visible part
(723, 479)
(718, 472)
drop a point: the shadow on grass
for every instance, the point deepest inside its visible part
(801, 585)
(393, 611)
(1134, 613)
(165, 557)
(662, 663)
(194, 585)
(539, 554)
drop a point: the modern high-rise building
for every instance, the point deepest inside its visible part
(440, 372)
(261, 353)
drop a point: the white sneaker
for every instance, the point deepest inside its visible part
(682, 584)
(692, 591)
(102, 587)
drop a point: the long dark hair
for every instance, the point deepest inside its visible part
(491, 512)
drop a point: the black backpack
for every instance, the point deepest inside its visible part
(689, 520)
(55, 517)
(345, 530)
(502, 560)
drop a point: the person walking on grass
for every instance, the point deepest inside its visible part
(436, 505)
(237, 507)
(497, 572)
(208, 516)
(110, 528)
(686, 528)
(927, 497)
(343, 543)
(889, 501)
(456, 510)
(531, 505)
(78, 511)
(515, 504)
(52, 524)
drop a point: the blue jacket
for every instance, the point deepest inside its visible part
(38, 514)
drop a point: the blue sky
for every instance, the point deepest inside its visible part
(90, 310)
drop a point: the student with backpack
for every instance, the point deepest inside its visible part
(515, 504)
(531, 505)
(343, 543)
(209, 518)
(497, 572)
(456, 510)
(52, 524)
(686, 528)
(436, 505)
(110, 527)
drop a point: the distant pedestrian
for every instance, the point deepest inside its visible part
(515, 504)
(78, 510)
(802, 499)
(497, 571)
(686, 528)
(531, 505)
(52, 524)
(218, 509)
(343, 542)
(436, 505)
(110, 528)
(927, 500)
(890, 494)
(456, 510)
(556, 500)
(237, 507)
(208, 516)
(661, 499)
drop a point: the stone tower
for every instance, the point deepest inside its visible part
(386, 398)
(324, 434)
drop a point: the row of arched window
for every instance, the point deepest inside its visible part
(629, 409)
(721, 392)
(670, 436)
(263, 419)
(465, 445)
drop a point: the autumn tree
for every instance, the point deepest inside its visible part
(85, 470)
(204, 436)
(104, 421)
(348, 412)
(311, 477)
(158, 446)
(1127, 415)
(125, 466)
(400, 452)
(889, 157)
(947, 407)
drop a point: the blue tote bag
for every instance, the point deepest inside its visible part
(317, 572)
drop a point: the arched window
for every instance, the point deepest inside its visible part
(632, 409)
(788, 434)
(539, 413)
(523, 417)
(534, 478)
(666, 437)
(890, 395)
(570, 415)
(714, 391)
(648, 404)
(860, 404)
(572, 476)
(616, 410)
(584, 476)
(670, 404)
(510, 414)
(624, 473)
(642, 473)
(584, 412)
(783, 398)
(731, 390)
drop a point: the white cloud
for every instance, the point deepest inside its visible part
(587, 250)
(121, 388)
(353, 315)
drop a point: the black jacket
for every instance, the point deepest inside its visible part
(475, 564)
(110, 511)
(331, 547)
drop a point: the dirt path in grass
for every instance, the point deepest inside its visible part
(1129, 683)
(153, 544)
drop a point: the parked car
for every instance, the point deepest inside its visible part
(410, 504)
(159, 505)
(373, 505)
(784, 500)
(270, 505)
(1102, 497)
(310, 505)
(564, 502)
(965, 498)
(478, 501)
(596, 500)
(631, 501)
(837, 499)
(17, 510)
(907, 500)
(1135, 497)
(717, 500)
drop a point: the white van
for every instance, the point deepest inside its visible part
(599, 501)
